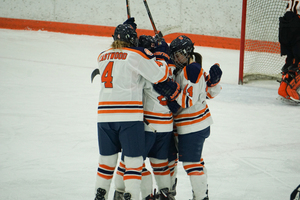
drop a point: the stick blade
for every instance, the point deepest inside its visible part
(94, 73)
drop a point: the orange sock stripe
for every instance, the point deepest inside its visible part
(173, 165)
(146, 173)
(120, 173)
(162, 173)
(129, 177)
(197, 173)
(104, 176)
(187, 167)
(159, 164)
(122, 165)
(134, 169)
(106, 167)
(172, 173)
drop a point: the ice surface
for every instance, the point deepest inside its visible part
(48, 113)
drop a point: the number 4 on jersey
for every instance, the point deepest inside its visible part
(106, 77)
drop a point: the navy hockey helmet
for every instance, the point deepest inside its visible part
(147, 42)
(184, 46)
(126, 33)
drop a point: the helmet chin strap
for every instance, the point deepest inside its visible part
(180, 66)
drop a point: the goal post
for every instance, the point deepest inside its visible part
(260, 57)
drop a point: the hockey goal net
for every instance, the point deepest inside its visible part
(260, 50)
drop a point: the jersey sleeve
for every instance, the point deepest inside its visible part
(212, 92)
(151, 69)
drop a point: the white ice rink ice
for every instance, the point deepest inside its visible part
(48, 115)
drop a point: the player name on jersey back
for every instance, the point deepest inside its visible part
(113, 55)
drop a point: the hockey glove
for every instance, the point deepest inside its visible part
(215, 74)
(161, 51)
(130, 21)
(173, 106)
(162, 47)
(169, 89)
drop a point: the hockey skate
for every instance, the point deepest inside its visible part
(205, 198)
(118, 195)
(127, 196)
(288, 101)
(100, 194)
(150, 197)
(165, 194)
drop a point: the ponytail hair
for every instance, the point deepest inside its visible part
(198, 57)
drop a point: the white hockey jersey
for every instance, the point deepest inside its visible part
(156, 110)
(195, 114)
(121, 87)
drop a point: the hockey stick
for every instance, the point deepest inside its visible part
(94, 73)
(128, 9)
(158, 34)
(149, 125)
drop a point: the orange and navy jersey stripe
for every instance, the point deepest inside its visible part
(158, 118)
(192, 118)
(106, 107)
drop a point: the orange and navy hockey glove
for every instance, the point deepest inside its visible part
(215, 74)
(161, 51)
(170, 89)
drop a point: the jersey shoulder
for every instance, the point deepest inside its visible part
(142, 51)
(193, 72)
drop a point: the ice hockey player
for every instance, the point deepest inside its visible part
(191, 114)
(120, 109)
(289, 38)
(158, 114)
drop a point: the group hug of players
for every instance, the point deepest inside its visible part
(147, 83)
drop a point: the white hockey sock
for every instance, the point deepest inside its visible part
(106, 167)
(147, 183)
(119, 182)
(173, 172)
(197, 178)
(133, 176)
(161, 172)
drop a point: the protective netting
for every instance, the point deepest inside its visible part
(262, 58)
